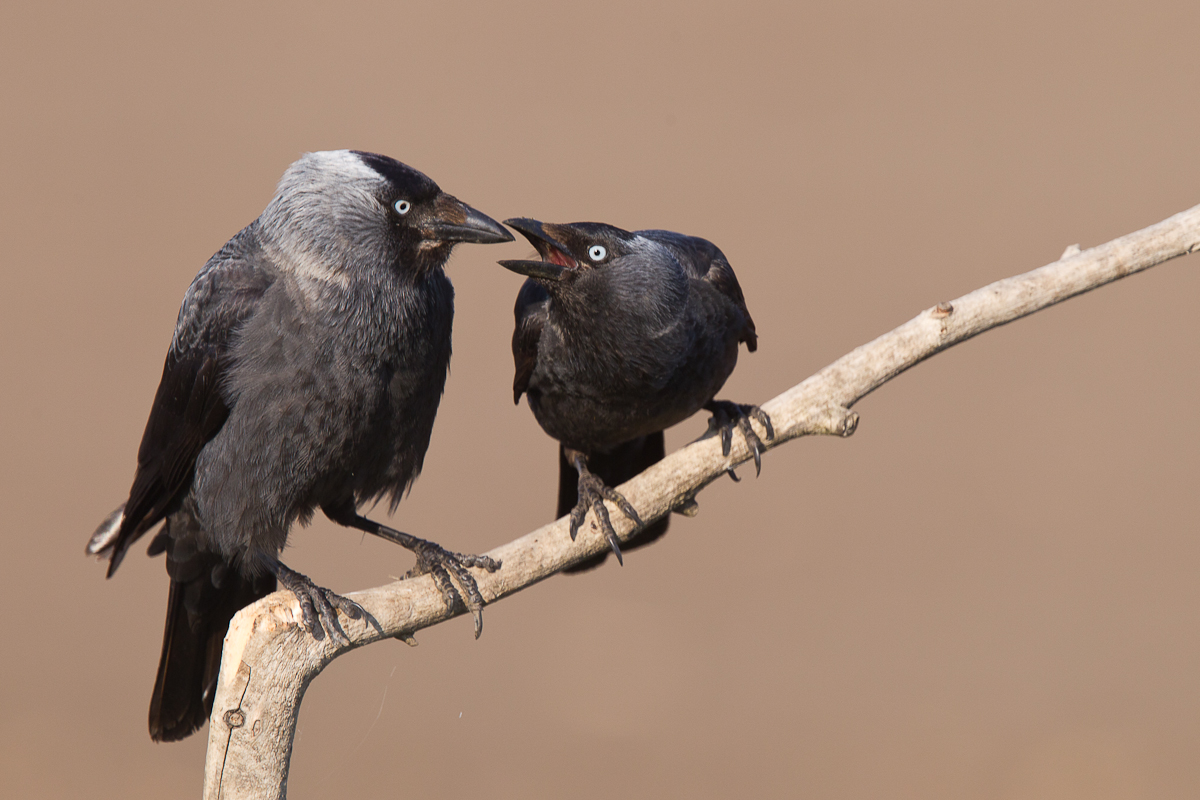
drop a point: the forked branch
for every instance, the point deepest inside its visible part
(269, 660)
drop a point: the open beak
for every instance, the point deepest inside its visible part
(555, 260)
(454, 221)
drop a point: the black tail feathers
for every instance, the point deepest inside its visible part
(206, 592)
(614, 468)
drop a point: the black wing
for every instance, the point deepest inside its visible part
(190, 406)
(531, 313)
(703, 260)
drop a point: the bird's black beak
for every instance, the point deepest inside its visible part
(555, 259)
(454, 221)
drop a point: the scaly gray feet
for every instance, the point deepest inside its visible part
(592, 494)
(432, 559)
(440, 564)
(319, 606)
(727, 415)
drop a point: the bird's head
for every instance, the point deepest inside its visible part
(568, 251)
(602, 269)
(339, 211)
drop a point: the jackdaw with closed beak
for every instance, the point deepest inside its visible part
(619, 335)
(307, 364)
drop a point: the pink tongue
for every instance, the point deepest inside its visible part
(562, 259)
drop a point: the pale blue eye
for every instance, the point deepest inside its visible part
(402, 207)
(597, 252)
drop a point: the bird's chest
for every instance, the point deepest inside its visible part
(612, 386)
(397, 354)
(614, 357)
(348, 366)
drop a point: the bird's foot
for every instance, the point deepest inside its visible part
(432, 559)
(592, 494)
(318, 606)
(727, 415)
(440, 564)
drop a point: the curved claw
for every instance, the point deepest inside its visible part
(756, 446)
(578, 513)
(347, 606)
(626, 507)
(726, 415)
(319, 606)
(446, 569)
(308, 617)
(615, 545)
(761, 417)
(432, 558)
(471, 594)
(592, 493)
(606, 525)
(330, 620)
(441, 579)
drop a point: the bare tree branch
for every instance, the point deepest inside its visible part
(269, 660)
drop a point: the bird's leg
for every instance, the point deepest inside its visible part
(592, 493)
(319, 606)
(727, 415)
(432, 558)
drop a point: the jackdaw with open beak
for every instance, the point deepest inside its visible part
(619, 335)
(305, 372)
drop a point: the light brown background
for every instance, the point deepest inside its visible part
(989, 592)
